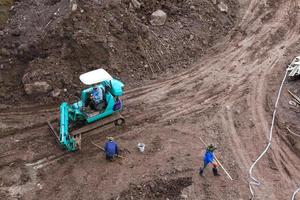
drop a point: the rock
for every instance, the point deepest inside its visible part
(114, 3)
(223, 7)
(193, 7)
(1, 33)
(184, 196)
(23, 49)
(131, 7)
(74, 7)
(37, 87)
(136, 4)
(214, 2)
(16, 32)
(158, 18)
(179, 168)
(179, 25)
(56, 92)
(1, 78)
(152, 185)
(173, 10)
(139, 186)
(4, 52)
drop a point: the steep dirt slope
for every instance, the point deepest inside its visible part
(54, 41)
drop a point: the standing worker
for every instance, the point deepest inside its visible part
(209, 157)
(111, 149)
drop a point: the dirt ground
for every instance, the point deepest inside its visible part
(48, 42)
(225, 95)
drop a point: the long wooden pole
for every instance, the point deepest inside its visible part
(217, 160)
(104, 150)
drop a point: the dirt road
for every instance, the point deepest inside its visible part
(226, 98)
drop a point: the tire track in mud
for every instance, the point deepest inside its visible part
(261, 70)
(256, 107)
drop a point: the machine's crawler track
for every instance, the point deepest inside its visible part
(116, 119)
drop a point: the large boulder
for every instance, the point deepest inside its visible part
(223, 7)
(136, 4)
(158, 18)
(56, 92)
(37, 87)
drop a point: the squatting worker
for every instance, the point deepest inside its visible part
(209, 157)
(111, 149)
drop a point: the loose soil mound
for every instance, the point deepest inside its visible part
(48, 42)
(157, 189)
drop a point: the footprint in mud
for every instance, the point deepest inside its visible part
(18, 179)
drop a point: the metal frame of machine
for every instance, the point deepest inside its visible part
(77, 119)
(294, 67)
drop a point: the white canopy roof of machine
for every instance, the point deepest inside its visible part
(95, 76)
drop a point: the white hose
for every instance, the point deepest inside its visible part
(255, 181)
(294, 195)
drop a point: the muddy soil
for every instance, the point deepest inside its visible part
(157, 189)
(226, 97)
(55, 41)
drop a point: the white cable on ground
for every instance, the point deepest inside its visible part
(294, 195)
(291, 132)
(255, 181)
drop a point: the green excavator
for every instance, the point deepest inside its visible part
(99, 105)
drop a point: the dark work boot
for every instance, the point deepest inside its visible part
(201, 171)
(215, 171)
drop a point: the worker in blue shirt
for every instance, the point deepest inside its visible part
(209, 157)
(111, 149)
(97, 97)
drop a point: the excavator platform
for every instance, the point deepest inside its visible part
(78, 131)
(99, 105)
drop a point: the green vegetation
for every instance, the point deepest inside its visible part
(4, 11)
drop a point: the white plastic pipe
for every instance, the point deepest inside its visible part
(255, 181)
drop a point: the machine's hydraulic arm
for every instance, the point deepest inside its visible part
(64, 138)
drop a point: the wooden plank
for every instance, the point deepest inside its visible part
(53, 130)
(295, 97)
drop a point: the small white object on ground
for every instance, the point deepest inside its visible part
(141, 147)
